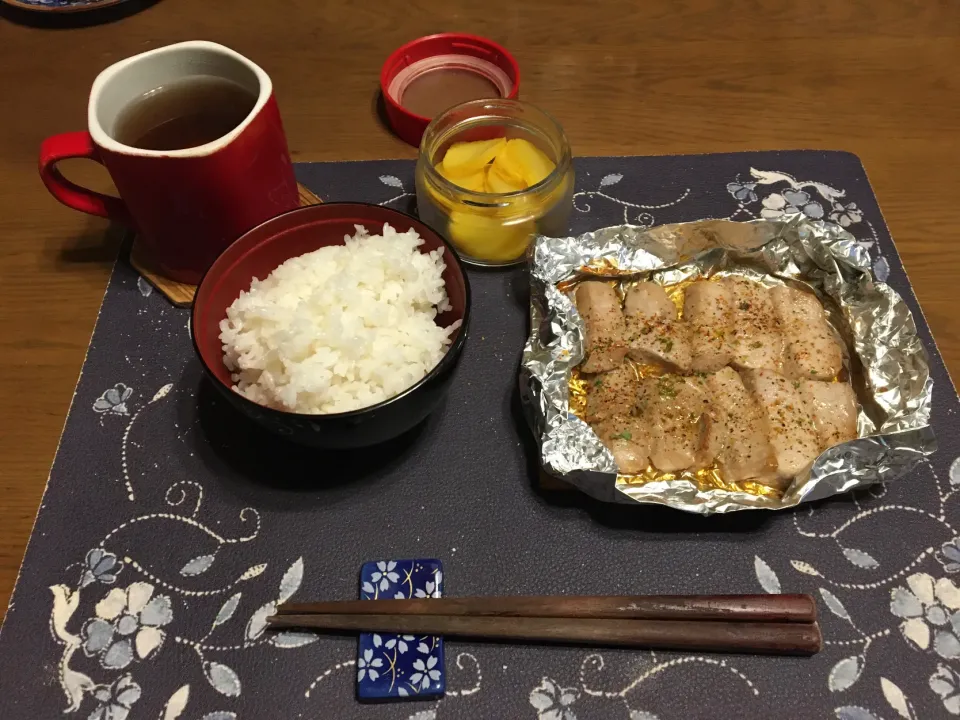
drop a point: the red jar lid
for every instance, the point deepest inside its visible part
(426, 76)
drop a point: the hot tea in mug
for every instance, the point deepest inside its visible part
(184, 114)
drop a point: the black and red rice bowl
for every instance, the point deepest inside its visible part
(257, 253)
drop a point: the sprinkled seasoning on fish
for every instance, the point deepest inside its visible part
(599, 306)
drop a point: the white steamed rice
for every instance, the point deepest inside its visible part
(340, 328)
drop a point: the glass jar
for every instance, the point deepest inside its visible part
(494, 228)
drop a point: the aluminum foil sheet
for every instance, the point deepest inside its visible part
(887, 365)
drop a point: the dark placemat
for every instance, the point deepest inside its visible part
(169, 525)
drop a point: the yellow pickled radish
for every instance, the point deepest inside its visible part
(518, 208)
(516, 239)
(496, 234)
(467, 158)
(472, 233)
(486, 237)
(529, 161)
(438, 198)
(473, 182)
(500, 182)
(509, 169)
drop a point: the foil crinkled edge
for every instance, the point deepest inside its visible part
(891, 369)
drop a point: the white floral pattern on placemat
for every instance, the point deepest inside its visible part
(127, 626)
(603, 193)
(924, 601)
(554, 702)
(773, 195)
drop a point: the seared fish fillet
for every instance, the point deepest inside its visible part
(793, 434)
(708, 311)
(756, 341)
(605, 341)
(834, 408)
(812, 351)
(627, 438)
(611, 393)
(654, 333)
(649, 300)
(714, 434)
(747, 454)
(674, 410)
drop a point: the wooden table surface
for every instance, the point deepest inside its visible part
(876, 77)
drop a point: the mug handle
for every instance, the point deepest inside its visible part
(77, 145)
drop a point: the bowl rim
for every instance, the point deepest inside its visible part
(450, 356)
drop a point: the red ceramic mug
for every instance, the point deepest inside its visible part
(188, 204)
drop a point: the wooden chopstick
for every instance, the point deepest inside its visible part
(777, 624)
(793, 638)
(747, 608)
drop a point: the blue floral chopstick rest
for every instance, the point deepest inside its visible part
(400, 666)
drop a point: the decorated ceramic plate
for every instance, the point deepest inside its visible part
(61, 6)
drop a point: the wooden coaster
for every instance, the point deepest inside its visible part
(181, 294)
